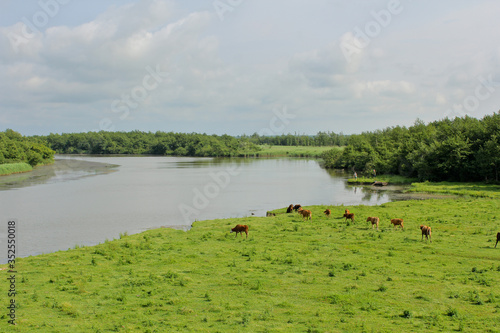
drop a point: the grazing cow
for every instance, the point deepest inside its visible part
(306, 214)
(426, 231)
(296, 207)
(398, 222)
(270, 214)
(327, 212)
(289, 209)
(349, 216)
(498, 239)
(374, 221)
(240, 228)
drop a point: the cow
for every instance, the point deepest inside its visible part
(327, 212)
(397, 222)
(270, 214)
(426, 231)
(374, 221)
(240, 228)
(347, 211)
(306, 214)
(498, 239)
(349, 216)
(296, 207)
(289, 209)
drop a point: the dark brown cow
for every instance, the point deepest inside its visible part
(327, 212)
(240, 228)
(374, 221)
(397, 222)
(426, 231)
(349, 216)
(289, 209)
(296, 207)
(498, 239)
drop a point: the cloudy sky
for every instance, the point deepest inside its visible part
(245, 66)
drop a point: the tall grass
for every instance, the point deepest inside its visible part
(9, 168)
(289, 275)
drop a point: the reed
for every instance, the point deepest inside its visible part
(10, 168)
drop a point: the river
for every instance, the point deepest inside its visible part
(80, 201)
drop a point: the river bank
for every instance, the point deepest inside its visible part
(289, 275)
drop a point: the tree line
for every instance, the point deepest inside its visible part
(318, 140)
(15, 148)
(137, 142)
(462, 149)
(178, 144)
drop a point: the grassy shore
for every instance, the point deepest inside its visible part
(289, 151)
(290, 275)
(10, 168)
(391, 179)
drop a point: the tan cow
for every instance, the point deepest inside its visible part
(240, 228)
(306, 214)
(374, 221)
(498, 239)
(426, 231)
(397, 222)
(327, 212)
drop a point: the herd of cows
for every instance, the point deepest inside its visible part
(307, 215)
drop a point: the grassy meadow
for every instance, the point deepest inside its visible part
(290, 275)
(290, 151)
(391, 179)
(10, 168)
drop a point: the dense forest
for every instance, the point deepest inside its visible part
(15, 148)
(462, 149)
(318, 140)
(179, 144)
(137, 142)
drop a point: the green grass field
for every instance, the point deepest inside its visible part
(10, 168)
(391, 179)
(290, 151)
(290, 275)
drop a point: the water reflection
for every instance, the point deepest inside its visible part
(61, 171)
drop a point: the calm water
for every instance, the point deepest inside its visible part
(79, 202)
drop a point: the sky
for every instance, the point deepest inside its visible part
(245, 66)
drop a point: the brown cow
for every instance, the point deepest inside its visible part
(240, 228)
(374, 221)
(289, 209)
(296, 207)
(398, 222)
(347, 211)
(327, 212)
(498, 239)
(306, 214)
(349, 216)
(426, 231)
